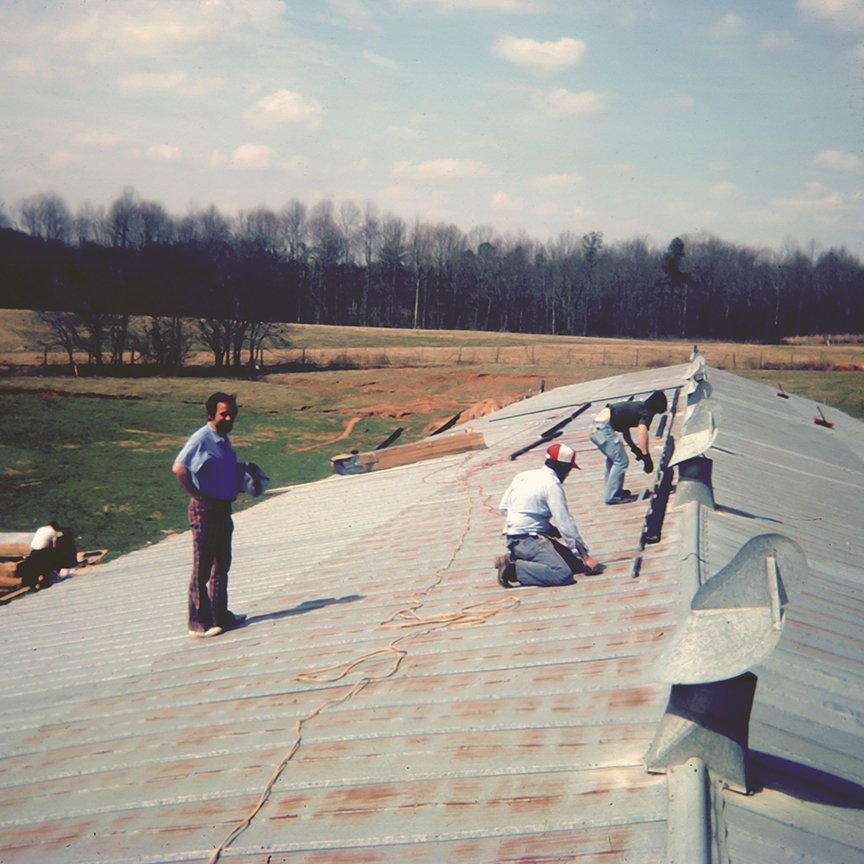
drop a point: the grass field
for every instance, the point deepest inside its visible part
(96, 453)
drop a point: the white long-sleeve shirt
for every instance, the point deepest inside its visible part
(533, 499)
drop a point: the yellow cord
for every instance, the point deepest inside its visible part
(404, 619)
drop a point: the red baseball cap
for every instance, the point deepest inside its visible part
(563, 453)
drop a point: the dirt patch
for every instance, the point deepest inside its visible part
(403, 409)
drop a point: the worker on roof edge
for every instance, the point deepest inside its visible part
(532, 501)
(621, 417)
(206, 468)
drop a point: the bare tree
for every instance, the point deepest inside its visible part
(419, 246)
(295, 228)
(89, 225)
(326, 245)
(169, 343)
(124, 222)
(591, 245)
(260, 227)
(349, 226)
(370, 235)
(63, 332)
(46, 216)
(156, 226)
(392, 257)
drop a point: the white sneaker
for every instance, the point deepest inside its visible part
(213, 631)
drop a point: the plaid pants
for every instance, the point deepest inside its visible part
(212, 527)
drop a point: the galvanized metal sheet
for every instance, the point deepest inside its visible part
(512, 733)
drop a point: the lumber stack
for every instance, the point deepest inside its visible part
(10, 556)
(406, 454)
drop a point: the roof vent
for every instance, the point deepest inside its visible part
(735, 621)
(710, 722)
(694, 482)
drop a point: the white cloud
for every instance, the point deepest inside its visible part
(846, 15)
(517, 7)
(557, 181)
(98, 140)
(61, 159)
(256, 156)
(837, 160)
(619, 168)
(400, 195)
(378, 60)
(542, 58)
(832, 209)
(298, 165)
(165, 153)
(677, 206)
(178, 83)
(564, 103)
(28, 67)
(351, 13)
(441, 169)
(723, 190)
(730, 26)
(405, 133)
(502, 201)
(284, 106)
(548, 208)
(141, 28)
(778, 40)
(814, 190)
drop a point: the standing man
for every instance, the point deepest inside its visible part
(533, 500)
(622, 417)
(206, 468)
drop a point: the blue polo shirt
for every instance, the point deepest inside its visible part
(212, 462)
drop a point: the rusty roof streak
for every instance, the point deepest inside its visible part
(519, 738)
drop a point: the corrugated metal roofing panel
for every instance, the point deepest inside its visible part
(513, 726)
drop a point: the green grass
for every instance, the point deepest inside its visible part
(102, 466)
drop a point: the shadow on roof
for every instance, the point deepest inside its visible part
(305, 606)
(801, 781)
(720, 508)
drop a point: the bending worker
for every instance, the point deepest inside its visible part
(532, 501)
(622, 417)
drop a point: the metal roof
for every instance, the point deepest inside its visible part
(453, 720)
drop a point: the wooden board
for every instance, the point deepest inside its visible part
(431, 448)
(14, 550)
(6, 597)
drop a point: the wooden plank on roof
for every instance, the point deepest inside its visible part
(406, 454)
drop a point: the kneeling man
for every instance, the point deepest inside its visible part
(534, 500)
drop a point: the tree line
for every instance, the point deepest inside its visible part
(90, 271)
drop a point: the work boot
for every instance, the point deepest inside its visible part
(506, 567)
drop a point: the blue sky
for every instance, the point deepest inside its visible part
(636, 118)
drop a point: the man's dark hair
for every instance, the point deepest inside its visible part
(657, 402)
(216, 398)
(562, 469)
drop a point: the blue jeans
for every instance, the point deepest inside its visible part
(538, 563)
(609, 443)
